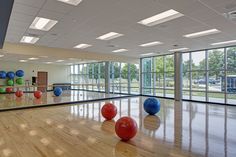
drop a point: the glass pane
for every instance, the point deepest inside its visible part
(159, 62)
(198, 60)
(124, 78)
(216, 60)
(159, 80)
(159, 92)
(199, 96)
(231, 87)
(134, 78)
(169, 63)
(186, 94)
(186, 81)
(214, 81)
(216, 97)
(170, 83)
(198, 81)
(231, 58)
(147, 64)
(169, 93)
(147, 80)
(186, 62)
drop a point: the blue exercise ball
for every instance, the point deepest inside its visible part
(57, 91)
(3, 74)
(20, 73)
(152, 105)
(11, 75)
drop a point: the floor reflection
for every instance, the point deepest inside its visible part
(203, 129)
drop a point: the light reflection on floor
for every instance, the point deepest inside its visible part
(179, 129)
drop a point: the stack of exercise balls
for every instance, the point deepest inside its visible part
(20, 75)
(126, 127)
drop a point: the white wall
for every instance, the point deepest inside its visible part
(56, 73)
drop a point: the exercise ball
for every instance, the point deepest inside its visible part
(9, 90)
(10, 82)
(3, 74)
(19, 93)
(152, 106)
(38, 94)
(20, 73)
(109, 111)
(11, 75)
(2, 90)
(126, 128)
(20, 81)
(57, 91)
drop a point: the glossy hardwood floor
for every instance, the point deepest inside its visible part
(178, 130)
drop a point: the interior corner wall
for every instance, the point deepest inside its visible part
(56, 73)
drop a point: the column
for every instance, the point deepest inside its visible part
(178, 76)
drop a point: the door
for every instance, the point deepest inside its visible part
(42, 81)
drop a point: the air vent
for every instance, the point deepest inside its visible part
(230, 15)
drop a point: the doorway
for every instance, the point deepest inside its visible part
(42, 81)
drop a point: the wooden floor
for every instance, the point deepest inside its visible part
(178, 130)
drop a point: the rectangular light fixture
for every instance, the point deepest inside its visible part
(32, 58)
(109, 36)
(23, 61)
(43, 24)
(161, 18)
(82, 46)
(29, 39)
(147, 54)
(224, 42)
(1, 55)
(71, 2)
(151, 44)
(202, 33)
(179, 49)
(59, 61)
(48, 62)
(120, 50)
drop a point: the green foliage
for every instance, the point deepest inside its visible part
(133, 72)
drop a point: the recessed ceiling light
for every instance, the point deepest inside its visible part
(151, 44)
(72, 59)
(29, 39)
(224, 42)
(23, 61)
(120, 50)
(1, 55)
(82, 46)
(161, 18)
(43, 24)
(71, 2)
(32, 58)
(48, 62)
(59, 60)
(109, 36)
(179, 49)
(202, 33)
(146, 54)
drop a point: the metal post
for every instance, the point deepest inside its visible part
(107, 77)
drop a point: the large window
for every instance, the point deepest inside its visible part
(210, 75)
(124, 78)
(158, 76)
(89, 76)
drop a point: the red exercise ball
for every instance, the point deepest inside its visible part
(19, 93)
(37, 94)
(126, 128)
(109, 111)
(9, 90)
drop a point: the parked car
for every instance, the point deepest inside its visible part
(203, 81)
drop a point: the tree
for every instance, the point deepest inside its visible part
(215, 62)
(231, 58)
(133, 72)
